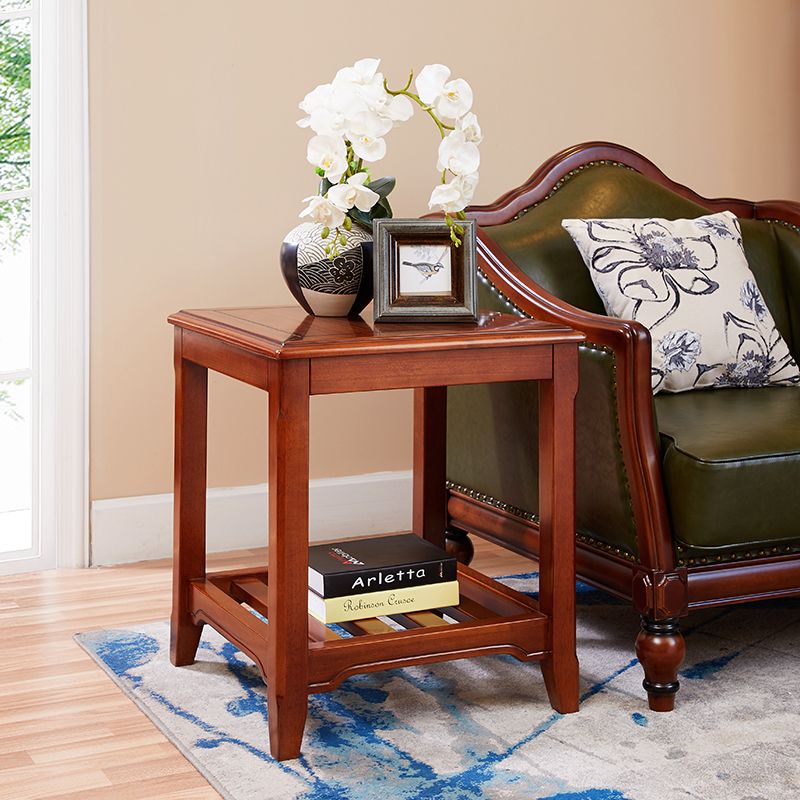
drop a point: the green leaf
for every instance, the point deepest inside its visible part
(383, 186)
(324, 185)
(378, 212)
(382, 209)
(361, 218)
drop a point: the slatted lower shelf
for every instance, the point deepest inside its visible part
(490, 618)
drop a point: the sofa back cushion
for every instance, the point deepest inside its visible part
(541, 248)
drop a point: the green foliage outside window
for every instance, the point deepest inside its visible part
(15, 112)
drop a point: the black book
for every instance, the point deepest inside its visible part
(358, 566)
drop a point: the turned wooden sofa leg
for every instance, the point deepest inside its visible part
(660, 648)
(457, 543)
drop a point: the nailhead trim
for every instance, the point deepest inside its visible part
(482, 277)
(784, 223)
(738, 555)
(569, 175)
(491, 501)
(522, 514)
(609, 548)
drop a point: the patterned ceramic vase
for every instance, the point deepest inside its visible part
(328, 287)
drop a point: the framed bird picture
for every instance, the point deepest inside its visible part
(420, 275)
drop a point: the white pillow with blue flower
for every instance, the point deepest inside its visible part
(688, 282)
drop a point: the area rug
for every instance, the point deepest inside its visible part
(482, 728)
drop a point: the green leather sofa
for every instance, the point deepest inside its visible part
(683, 500)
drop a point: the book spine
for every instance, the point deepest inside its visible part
(345, 584)
(377, 604)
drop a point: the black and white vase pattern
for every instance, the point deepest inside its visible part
(689, 283)
(325, 286)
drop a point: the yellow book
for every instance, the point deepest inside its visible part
(385, 603)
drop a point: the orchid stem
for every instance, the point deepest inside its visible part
(443, 128)
(427, 109)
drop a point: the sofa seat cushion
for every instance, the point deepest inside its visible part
(731, 464)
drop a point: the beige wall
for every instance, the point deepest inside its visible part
(198, 169)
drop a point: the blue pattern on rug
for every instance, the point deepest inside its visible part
(589, 794)
(706, 669)
(464, 730)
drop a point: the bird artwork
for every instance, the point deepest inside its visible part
(426, 270)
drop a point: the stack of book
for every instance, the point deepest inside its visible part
(363, 578)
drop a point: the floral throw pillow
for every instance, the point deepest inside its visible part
(688, 282)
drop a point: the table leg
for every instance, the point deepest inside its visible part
(189, 532)
(557, 525)
(430, 444)
(287, 585)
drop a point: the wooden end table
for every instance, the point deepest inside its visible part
(293, 356)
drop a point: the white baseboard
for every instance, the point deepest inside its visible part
(129, 529)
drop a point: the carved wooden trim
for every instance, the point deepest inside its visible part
(660, 595)
(577, 157)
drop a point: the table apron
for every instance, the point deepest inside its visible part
(219, 356)
(416, 370)
(357, 373)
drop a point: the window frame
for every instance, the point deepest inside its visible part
(60, 283)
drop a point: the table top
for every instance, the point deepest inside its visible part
(288, 332)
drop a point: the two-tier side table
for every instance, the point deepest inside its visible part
(293, 356)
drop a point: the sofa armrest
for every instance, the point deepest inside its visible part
(629, 341)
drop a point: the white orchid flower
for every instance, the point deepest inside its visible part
(458, 155)
(446, 197)
(327, 122)
(353, 193)
(313, 101)
(468, 125)
(354, 90)
(397, 109)
(329, 154)
(454, 196)
(367, 147)
(364, 79)
(449, 99)
(323, 211)
(467, 185)
(332, 116)
(365, 134)
(361, 81)
(363, 71)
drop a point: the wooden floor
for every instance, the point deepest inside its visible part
(66, 731)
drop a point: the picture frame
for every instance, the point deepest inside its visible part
(420, 275)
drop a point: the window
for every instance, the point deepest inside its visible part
(42, 306)
(17, 436)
